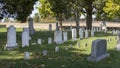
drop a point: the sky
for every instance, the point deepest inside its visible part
(35, 10)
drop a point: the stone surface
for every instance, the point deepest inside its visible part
(86, 33)
(49, 40)
(39, 41)
(57, 49)
(92, 33)
(81, 33)
(26, 55)
(74, 34)
(65, 36)
(25, 39)
(118, 42)
(31, 27)
(58, 37)
(98, 50)
(11, 38)
(50, 27)
(45, 52)
(57, 27)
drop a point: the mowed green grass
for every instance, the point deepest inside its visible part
(72, 58)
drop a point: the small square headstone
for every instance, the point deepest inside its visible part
(57, 49)
(26, 55)
(45, 52)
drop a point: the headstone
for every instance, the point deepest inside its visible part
(74, 34)
(65, 37)
(113, 32)
(50, 27)
(26, 55)
(98, 50)
(57, 27)
(31, 28)
(57, 49)
(58, 37)
(118, 42)
(25, 39)
(26, 30)
(92, 33)
(86, 33)
(71, 28)
(49, 40)
(45, 52)
(78, 44)
(39, 41)
(81, 33)
(34, 43)
(11, 38)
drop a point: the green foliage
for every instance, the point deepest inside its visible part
(22, 8)
(36, 17)
(112, 9)
(44, 9)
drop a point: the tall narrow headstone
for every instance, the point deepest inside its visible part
(118, 42)
(65, 37)
(86, 33)
(74, 34)
(57, 27)
(25, 39)
(113, 32)
(50, 27)
(71, 28)
(31, 28)
(49, 40)
(98, 50)
(92, 33)
(58, 37)
(81, 33)
(11, 37)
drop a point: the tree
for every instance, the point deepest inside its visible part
(112, 9)
(20, 8)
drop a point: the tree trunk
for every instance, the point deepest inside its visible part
(89, 14)
(77, 19)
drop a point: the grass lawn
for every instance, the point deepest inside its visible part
(72, 58)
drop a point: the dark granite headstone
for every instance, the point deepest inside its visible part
(98, 50)
(57, 27)
(31, 28)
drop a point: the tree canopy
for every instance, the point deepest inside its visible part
(20, 8)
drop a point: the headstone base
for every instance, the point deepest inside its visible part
(60, 42)
(96, 59)
(10, 48)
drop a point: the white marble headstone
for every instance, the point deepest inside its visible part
(57, 49)
(92, 33)
(86, 33)
(39, 41)
(26, 55)
(74, 34)
(58, 37)
(65, 37)
(49, 40)
(25, 39)
(11, 37)
(81, 33)
(45, 52)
